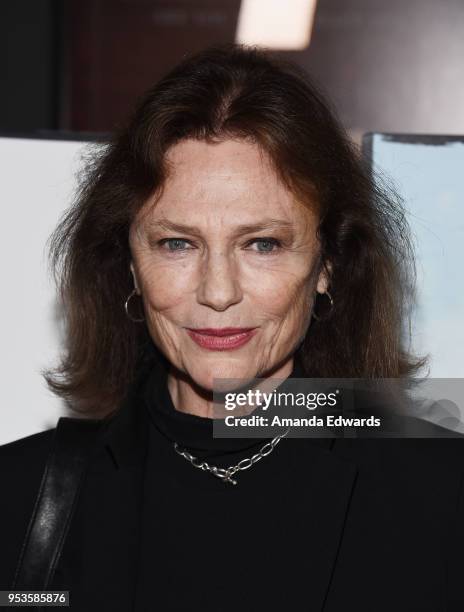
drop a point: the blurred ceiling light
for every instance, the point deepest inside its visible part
(277, 24)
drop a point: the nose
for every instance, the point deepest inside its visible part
(219, 286)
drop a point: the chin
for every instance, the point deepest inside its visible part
(203, 372)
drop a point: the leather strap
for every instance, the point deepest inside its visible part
(71, 448)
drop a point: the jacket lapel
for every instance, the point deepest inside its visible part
(325, 484)
(318, 492)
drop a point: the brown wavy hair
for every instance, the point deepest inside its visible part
(233, 91)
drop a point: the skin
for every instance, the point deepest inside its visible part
(218, 274)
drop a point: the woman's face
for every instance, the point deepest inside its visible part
(226, 245)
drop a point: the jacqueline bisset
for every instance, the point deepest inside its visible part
(229, 230)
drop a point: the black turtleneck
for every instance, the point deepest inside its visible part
(206, 544)
(189, 430)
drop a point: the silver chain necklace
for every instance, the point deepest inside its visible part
(226, 473)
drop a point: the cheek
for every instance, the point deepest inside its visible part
(164, 287)
(280, 291)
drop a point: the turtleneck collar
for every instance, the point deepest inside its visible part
(188, 430)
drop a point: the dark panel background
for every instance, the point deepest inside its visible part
(80, 64)
(120, 47)
(30, 67)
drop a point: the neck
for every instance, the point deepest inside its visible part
(190, 398)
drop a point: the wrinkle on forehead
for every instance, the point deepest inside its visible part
(227, 173)
(234, 164)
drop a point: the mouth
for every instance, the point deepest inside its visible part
(221, 339)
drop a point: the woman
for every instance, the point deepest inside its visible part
(231, 231)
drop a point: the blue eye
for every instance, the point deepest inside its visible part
(174, 244)
(265, 245)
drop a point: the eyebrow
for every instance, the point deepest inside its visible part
(244, 228)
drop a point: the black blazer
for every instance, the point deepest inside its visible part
(380, 521)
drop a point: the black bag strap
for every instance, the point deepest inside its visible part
(63, 474)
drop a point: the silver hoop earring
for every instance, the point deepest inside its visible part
(126, 306)
(330, 310)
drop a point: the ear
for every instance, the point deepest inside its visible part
(323, 281)
(134, 277)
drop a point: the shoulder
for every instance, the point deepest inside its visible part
(421, 472)
(22, 460)
(405, 436)
(22, 464)
(33, 444)
(443, 452)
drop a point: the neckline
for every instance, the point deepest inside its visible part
(191, 431)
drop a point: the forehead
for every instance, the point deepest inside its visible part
(226, 179)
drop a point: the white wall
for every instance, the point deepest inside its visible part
(38, 178)
(428, 174)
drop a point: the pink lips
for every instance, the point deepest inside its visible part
(222, 339)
